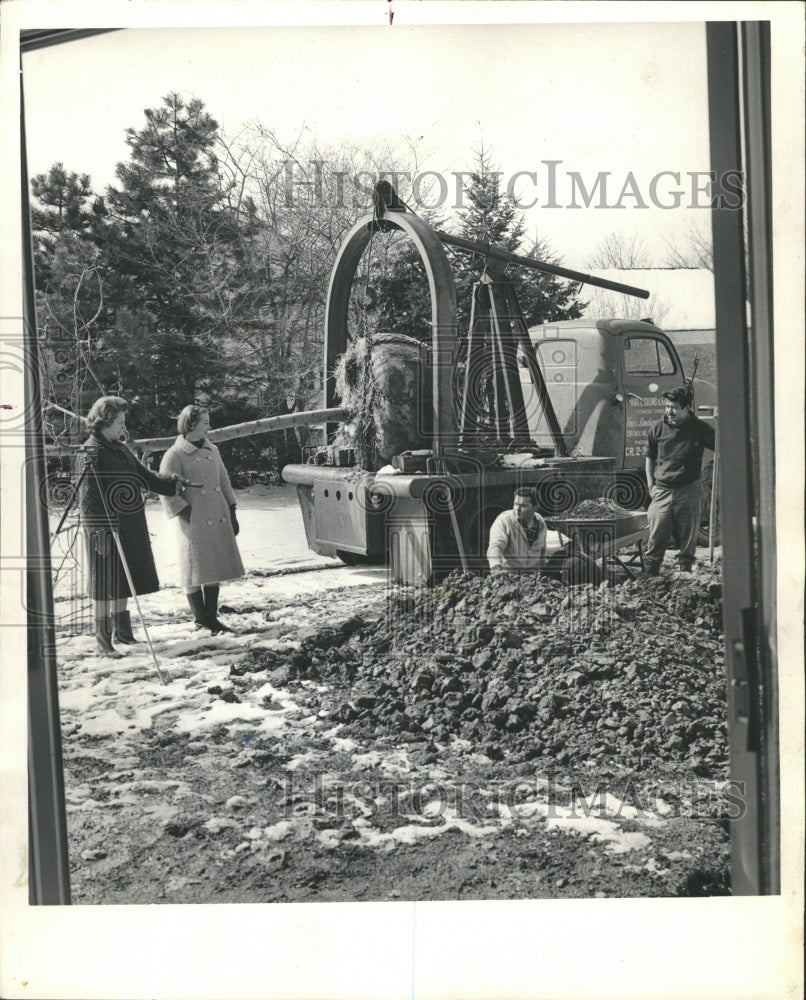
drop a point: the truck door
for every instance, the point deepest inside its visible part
(649, 367)
(559, 364)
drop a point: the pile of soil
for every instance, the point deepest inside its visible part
(529, 670)
(601, 509)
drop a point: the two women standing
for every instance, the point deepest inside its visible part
(195, 488)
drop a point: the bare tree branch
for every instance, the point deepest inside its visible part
(620, 250)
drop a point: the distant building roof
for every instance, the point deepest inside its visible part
(680, 298)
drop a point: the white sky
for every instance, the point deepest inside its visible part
(597, 97)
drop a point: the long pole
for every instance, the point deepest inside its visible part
(714, 485)
(496, 253)
(264, 425)
(126, 570)
(714, 489)
(301, 418)
(48, 853)
(129, 580)
(457, 533)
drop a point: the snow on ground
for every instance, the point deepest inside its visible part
(109, 707)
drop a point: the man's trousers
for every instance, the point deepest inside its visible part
(673, 515)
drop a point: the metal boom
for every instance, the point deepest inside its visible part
(496, 253)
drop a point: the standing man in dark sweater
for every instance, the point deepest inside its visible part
(673, 464)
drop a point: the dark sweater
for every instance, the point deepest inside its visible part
(677, 451)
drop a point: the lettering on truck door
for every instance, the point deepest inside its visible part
(649, 369)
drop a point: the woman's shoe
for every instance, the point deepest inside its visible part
(103, 634)
(211, 609)
(196, 602)
(122, 631)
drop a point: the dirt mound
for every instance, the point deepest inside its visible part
(602, 509)
(530, 670)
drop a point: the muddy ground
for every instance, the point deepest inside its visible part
(355, 741)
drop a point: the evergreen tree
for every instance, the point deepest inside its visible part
(401, 300)
(170, 243)
(491, 216)
(543, 297)
(69, 291)
(63, 206)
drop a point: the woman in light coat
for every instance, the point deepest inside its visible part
(205, 514)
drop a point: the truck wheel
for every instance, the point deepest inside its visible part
(352, 558)
(704, 530)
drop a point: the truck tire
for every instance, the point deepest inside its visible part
(704, 532)
(353, 558)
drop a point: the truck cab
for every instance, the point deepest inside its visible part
(606, 380)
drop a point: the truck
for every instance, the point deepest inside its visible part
(606, 379)
(454, 423)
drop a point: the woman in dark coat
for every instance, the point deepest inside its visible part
(111, 500)
(205, 518)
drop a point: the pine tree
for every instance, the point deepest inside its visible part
(170, 245)
(69, 290)
(401, 300)
(402, 296)
(62, 207)
(491, 216)
(543, 297)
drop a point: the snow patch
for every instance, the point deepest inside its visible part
(217, 823)
(278, 831)
(396, 762)
(343, 745)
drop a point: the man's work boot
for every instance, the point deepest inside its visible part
(123, 628)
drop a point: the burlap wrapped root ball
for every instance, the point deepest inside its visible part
(386, 392)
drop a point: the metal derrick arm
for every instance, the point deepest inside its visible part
(388, 205)
(504, 256)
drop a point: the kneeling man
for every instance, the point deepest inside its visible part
(518, 537)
